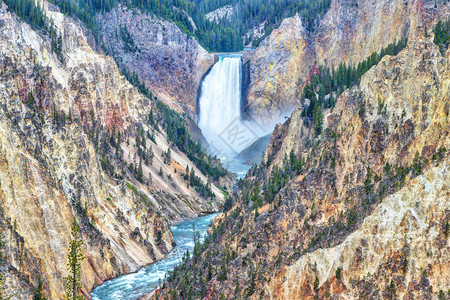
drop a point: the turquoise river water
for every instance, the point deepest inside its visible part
(133, 286)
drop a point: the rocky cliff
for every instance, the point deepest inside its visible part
(275, 67)
(359, 211)
(401, 248)
(349, 33)
(400, 251)
(168, 61)
(70, 132)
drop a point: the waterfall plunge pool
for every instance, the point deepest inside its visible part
(135, 285)
(228, 134)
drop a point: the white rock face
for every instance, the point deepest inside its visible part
(219, 14)
(255, 33)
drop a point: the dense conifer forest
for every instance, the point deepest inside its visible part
(225, 35)
(442, 35)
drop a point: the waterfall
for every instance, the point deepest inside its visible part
(220, 110)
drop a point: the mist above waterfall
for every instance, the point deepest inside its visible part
(220, 116)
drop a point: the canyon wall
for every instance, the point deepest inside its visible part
(276, 66)
(398, 116)
(59, 117)
(401, 250)
(168, 61)
(359, 211)
(349, 33)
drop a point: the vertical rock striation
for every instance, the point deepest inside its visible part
(349, 33)
(168, 61)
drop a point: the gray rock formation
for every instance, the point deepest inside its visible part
(169, 62)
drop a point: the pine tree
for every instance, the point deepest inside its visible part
(318, 119)
(169, 155)
(2, 289)
(2, 245)
(38, 292)
(192, 177)
(139, 172)
(321, 93)
(209, 273)
(316, 283)
(152, 154)
(73, 281)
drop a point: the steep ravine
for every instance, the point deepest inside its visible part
(359, 211)
(61, 157)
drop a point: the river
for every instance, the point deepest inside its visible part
(133, 286)
(228, 134)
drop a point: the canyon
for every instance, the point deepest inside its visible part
(114, 131)
(359, 210)
(59, 123)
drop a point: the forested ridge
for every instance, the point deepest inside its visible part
(248, 14)
(225, 35)
(332, 82)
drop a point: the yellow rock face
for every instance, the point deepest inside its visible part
(275, 68)
(50, 169)
(349, 33)
(413, 88)
(407, 221)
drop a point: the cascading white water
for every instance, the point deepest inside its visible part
(220, 110)
(220, 100)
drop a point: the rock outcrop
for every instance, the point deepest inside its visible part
(349, 33)
(169, 62)
(276, 66)
(58, 122)
(401, 250)
(217, 15)
(359, 211)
